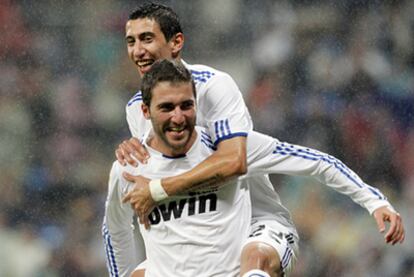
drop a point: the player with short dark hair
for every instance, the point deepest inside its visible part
(221, 109)
(210, 224)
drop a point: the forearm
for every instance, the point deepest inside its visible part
(285, 158)
(228, 161)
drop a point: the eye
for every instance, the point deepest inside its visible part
(187, 105)
(147, 38)
(130, 41)
(167, 107)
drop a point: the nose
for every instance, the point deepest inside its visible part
(178, 116)
(139, 50)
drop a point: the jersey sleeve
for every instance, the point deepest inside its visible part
(124, 247)
(267, 155)
(223, 109)
(132, 119)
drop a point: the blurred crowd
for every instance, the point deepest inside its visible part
(335, 76)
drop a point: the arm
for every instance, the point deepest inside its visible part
(130, 151)
(124, 248)
(221, 108)
(268, 155)
(228, 161)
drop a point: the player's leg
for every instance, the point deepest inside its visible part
(138, 273)
(259, 255)
(270, 248)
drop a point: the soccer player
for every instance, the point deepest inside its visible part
(154, 32)
(200, 231)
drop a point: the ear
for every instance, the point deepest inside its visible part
(176, 44)
(145, 110)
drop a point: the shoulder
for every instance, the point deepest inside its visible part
(136, 99)
(205, 140)
(203, 74)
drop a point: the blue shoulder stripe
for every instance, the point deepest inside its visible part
(201, 76)
(223, 131)
(135, 98)
(209, 145)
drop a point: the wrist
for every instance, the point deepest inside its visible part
(157, 191)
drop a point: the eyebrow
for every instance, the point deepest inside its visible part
(141, 35)
(144, 34)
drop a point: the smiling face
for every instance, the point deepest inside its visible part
(146, 43)
(173, 115)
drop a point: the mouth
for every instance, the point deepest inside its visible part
(142, 64)
(176, 132)
(176, 129)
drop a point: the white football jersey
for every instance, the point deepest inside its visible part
(201, 233)
(191, 232)
(220, 106)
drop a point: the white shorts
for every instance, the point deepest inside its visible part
(279, 237)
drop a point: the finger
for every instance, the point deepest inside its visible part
(127, 150)
(120, 157)
(392, 229)
(399, 237)
(146, 223)
(395, 236)
(380, 223)
(399, 231)
(140, 151)
(402, 236)
(128, 177)
(141, 218)
(127, 197)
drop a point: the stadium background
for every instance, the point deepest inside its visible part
(336, 77)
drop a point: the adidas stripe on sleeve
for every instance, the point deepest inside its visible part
(221, 107)
(123, 246)
(267, 155)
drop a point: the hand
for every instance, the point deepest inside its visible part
(140, 198)
(396, 231)
(130, 149)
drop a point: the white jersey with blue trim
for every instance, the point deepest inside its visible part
(189, 226)
(198, 233)
(220, 106)
(267, 155)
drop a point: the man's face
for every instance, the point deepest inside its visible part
(173, 116)
(146, 43)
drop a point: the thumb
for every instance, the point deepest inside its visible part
(126, 198)
(380, 223)
(128, 177)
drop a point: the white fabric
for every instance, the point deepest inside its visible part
(220, 106)
(203, 233)
(279, 237)
(190, 233)
(221, 109)
(256, 273)
(157, 191)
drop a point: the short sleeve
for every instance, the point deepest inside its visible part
(223, 109)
